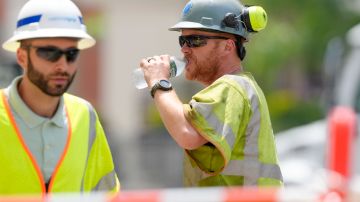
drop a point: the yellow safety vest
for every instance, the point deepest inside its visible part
(232, 115)
(85, 165)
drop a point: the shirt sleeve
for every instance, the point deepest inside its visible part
(219, 113)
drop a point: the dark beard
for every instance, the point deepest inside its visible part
(39, 80)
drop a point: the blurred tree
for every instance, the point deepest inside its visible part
(287, 57)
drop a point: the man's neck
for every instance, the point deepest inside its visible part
(39, 102)
(231, 65)
(228, 68)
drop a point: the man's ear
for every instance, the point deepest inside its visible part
(230, 46)
(21, 57)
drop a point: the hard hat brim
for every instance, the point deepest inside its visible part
(193, 25)
(187, 25)
(86, 41)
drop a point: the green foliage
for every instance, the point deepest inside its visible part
(287, 110)
(295, 38)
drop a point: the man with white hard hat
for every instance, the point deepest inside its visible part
(51, 141)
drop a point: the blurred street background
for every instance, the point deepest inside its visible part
(286, 59)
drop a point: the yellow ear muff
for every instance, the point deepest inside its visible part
(254, 18)
(258, 18)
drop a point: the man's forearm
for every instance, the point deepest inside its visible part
(172, 113)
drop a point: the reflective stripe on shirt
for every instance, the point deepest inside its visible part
(250, 167)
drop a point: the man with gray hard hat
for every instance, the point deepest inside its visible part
(51, 141)
(225, 129)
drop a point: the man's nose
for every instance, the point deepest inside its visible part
(62, 63)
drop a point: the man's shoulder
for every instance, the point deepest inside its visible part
(70, 98)
(231, 80)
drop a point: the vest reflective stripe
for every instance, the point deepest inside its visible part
(106, 181)
(92, 134)
(252, 170)
(219, 127)
(252, 132)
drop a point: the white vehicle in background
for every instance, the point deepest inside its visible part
(302, 150)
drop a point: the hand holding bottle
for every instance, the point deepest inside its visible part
(176, 66)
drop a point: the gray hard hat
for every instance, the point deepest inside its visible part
(228, 16)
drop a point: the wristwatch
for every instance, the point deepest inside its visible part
(163, 85)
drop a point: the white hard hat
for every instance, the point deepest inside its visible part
(49, 18)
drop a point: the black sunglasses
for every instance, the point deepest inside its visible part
(193, 41)
(53, 53)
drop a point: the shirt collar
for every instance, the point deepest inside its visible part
(29, 117)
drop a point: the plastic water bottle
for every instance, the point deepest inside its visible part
(177, 66)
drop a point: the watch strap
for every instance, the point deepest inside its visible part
(158, 86)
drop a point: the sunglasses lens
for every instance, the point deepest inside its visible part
(181, 41)
(49, 53)
(198, 41)
(71, 54)
(192, 41)
(53, 54)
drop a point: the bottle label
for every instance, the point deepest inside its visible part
(172, 68)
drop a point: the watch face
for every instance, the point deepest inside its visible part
(165, 83)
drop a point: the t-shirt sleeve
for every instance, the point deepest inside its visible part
(218, 113)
